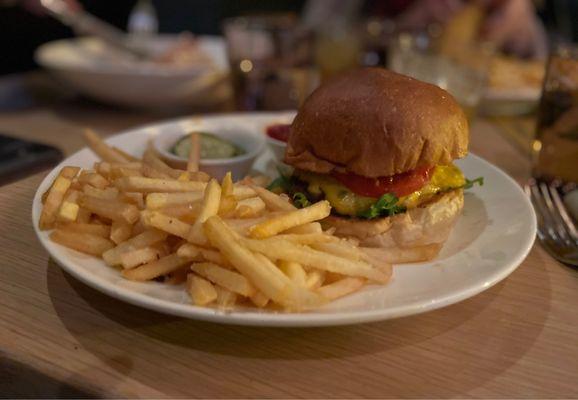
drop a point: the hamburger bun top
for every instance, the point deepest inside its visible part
(374, 122)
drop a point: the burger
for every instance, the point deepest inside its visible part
(380, 146)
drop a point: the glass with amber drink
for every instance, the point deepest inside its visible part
(271, 61)
(556, 142)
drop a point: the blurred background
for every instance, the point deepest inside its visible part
(111, 65)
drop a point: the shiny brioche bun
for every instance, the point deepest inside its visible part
(374, 122)
(416, 235)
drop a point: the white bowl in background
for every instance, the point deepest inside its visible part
(240, 166)
(85, 64)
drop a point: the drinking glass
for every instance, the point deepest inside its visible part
(271, 62)
(556, 142)
(462, 72)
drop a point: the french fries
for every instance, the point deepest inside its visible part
(227, 244)
(209, 207)
(83, 242)
(147, 238)
(294, 271)
(292, 219)
(104, 151)
(95, 180)
(69, 208)
(226, 278)
(201, 290)
(314, 258)
(162, 200)
(93, 229)
(225, 298)
(54, 199)
(120, 231)
(174, 226)
(272, 200)
(141, 184)
(137, 257)
(195, 153)
(151, 158)
(341, 287)
(154, 269)
(114, 210)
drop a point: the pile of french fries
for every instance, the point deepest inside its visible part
(230, 244)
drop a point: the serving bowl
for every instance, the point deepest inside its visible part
(93, 69)
(251, 142)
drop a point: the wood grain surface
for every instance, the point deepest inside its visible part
(59, 338)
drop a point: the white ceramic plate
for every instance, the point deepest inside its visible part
(490, 240)
(82, 64)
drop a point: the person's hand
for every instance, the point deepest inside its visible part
(35, 6)
(513, 26)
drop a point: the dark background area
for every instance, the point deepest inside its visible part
(21, 31)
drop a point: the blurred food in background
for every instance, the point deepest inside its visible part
(508, 72)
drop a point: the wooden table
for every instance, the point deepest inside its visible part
(60, 338)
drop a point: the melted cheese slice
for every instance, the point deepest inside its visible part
(345, 202)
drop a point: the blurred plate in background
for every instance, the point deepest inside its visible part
(103, 74)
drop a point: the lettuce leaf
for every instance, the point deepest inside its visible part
(300, 200)
(470, 184)
(385, 206)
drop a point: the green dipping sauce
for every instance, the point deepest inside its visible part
(212, 147)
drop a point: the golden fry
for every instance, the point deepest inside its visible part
(201, 290)
(94, 179)
(273, 201)
(249, 208)
(195, 152)
(149, 172)
(264, 275)
(341, 287)
(53, 202)
(109, 193)
(137, 257)
(291, 219)
(315, 279)
(111, 209)
(103, 150)
(151, 158)
(226, 278)
(83, 242)
(225, 298)
(287, 251)
(150, 185)
(227, 186)
(92, 229)
(294, 271)
(209, 207)
(124, 154)
(147, 238)
(154, 269)
(162, 200)
(165, 223)
(120, 231)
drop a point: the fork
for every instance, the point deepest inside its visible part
(556, 229)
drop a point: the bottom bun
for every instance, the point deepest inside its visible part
(416, 235)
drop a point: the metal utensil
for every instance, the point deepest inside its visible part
(84, 23)
(556, 229)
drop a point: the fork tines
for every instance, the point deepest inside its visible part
(556, 229)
